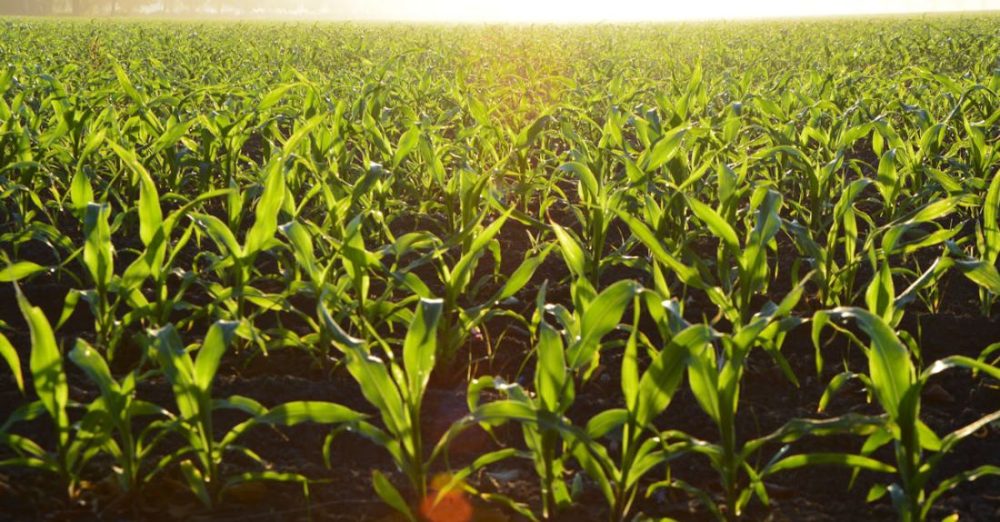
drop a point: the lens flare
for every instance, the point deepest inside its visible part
(452, 506)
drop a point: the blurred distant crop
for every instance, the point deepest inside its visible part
(732, 271)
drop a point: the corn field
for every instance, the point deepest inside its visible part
(713, 271)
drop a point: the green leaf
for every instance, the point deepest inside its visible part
(715, 222)
(220, 233)
(268, 207)
(551, 373)
(835, 384)
(703, 378)
(20, 270)
(302, 246)
(585, 177)
(887, 177)
(688, 275)
(950, 482)
(150, 214)
(97, 249)
(178, 369)
(9, 354)
(80, 191)
(630, 368)
(527, 135)
(210, 354)
(522, 275)
(876, 492)
(420, 345)
(91, 362)
(334, 329)
(936, 209)
(272, 98)
(460, 271)
(601, 424)
(407, 142)
(991, 225)
(829, 459)
(46, 365)
(960, 361)
(196, 482)
(658, 384)
(572, 253)
(665, 149)
(881, 293)
(126, 84)
(298, 412)
(390, 495)
(983, 273)
(170, 137)
(889, 366)
(602, 315)
(379, 389)
(300, 133)
(146, 184)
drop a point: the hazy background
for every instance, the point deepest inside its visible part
(490, 10)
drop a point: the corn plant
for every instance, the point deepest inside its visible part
(203, 453)
(897, 384)
(715, 371)
(544, 424)
(76, 443)
(598, 204)
(563, 359)
(836, 258)
(119, 407)
(238, 258)
(646, 397)
(159, 260)
(988, 246)
(396, 389)
(98, 256)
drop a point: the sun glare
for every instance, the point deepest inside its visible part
(581, 11)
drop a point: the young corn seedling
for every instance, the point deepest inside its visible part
(457, 321)
(396, 389)
(98, 257)
(464, 310)
(752, 272)
(238, 259)
(157, 261)
(715, 371)
(120, 408)
(597, 207)
(988, 246)
(835, 260)
(191, 381)
(896, 383)
(641, 450)
(562, 359)
(76, 443)
(541, 415)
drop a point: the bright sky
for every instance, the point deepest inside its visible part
(638, 10)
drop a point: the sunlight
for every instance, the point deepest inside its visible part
(580, 11)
